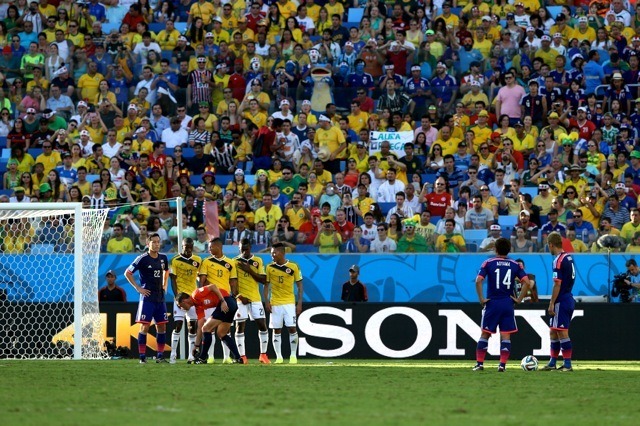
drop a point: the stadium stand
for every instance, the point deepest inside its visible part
(239, 93)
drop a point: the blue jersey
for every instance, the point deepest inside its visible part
(501, 274)
(151, 274)
(564, 272)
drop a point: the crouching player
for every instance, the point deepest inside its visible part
(220, 320)
(501, 274)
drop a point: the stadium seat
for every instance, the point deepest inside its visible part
(435, 219)
(306, 248)
(355, 14)
(166, 54)
(42, 249)
(553, 11)
(156, 27)
(6, 153)
(3, 141)
(506, 221)
(181, 27)
(107, 27)
(475, 236)
(250, 179)
(472, 247)
(223, 180)
(531, 191)
(91, 178)
(7, 192)
(385, 207)
(196, 180)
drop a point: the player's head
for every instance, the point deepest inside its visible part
(187, 246)
(184, 301)
(503, 246)
(277, 252)
(555, 242)
(215, 246)
(245, 246)
(154, 242)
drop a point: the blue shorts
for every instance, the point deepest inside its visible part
(151, 311)
(499, 312)
(564, 312)
(228, 316)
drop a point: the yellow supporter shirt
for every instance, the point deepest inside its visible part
(218, 271)
(49, 162)
(296, 218)
(204, 10)
(331, 138)
(482, 135)
(357, 122)
(260, 119)
(549, 57)
(89, 86)
(123, 246)
(282, 279)
(185, 270)
(448, 147)
(146, 147)
(270, 218)
(247, 286)
(628, 231)
(526, 143)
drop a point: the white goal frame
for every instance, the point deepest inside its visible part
(76, 209)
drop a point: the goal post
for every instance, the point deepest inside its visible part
(49, 260)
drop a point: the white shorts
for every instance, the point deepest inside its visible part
(282, 314)
(179, 314)
(252, 311)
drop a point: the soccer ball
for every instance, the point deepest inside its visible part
(529, 363)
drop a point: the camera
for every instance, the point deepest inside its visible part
(621, 288)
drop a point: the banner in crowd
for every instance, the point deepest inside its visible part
(396, 141)
(413, 331)
(391, 278)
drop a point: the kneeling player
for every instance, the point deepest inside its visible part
(220, 320)
(501, 273)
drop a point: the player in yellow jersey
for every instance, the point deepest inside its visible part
(281, 277)
(250, 275)
(219, 270)
(183, 272)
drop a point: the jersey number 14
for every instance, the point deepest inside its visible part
(506, 281)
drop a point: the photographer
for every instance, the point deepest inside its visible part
(633, 280)
(328, 240)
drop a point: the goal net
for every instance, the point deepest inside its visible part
(49, 258)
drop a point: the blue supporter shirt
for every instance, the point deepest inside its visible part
(443, 88)
(151, 274)
(501, 274)
(564, 272)
(364, 80)
(593, 75)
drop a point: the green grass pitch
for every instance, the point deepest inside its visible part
(317, 391)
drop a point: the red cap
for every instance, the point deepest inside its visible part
(6, 49)
(315, 212)
(239, 61)
(495, 135)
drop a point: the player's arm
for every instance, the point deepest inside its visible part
(165, 280)
(174, 284)
(554, 295)
(479, 281)
(261, 278)
(524, 290)
(233, 283)
(265, 296)
(300, 294)
(215, 290)
(129, 276)
(203, 280)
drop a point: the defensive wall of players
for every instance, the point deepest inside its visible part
(435, 278)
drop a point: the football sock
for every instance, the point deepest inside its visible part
(505, 350)
(240, 343)
(175, 340)
(231, 346)
(212, 347)
(277, 344)
(192, 344)
(555, 351)
(293, 340)
(264, 341)
(481, 350)
(142, 345)
(207, 338)
(565, 345)
(161, 338)
(225, 350)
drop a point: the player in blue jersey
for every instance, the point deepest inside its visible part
(501, 274)
(562, 304)
(153, 268)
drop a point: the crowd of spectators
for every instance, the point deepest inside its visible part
(524, 121)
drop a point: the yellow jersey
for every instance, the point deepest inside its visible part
(247, 286)
(282, 278)
(331, 138)
(219, 271)
(185, 270)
